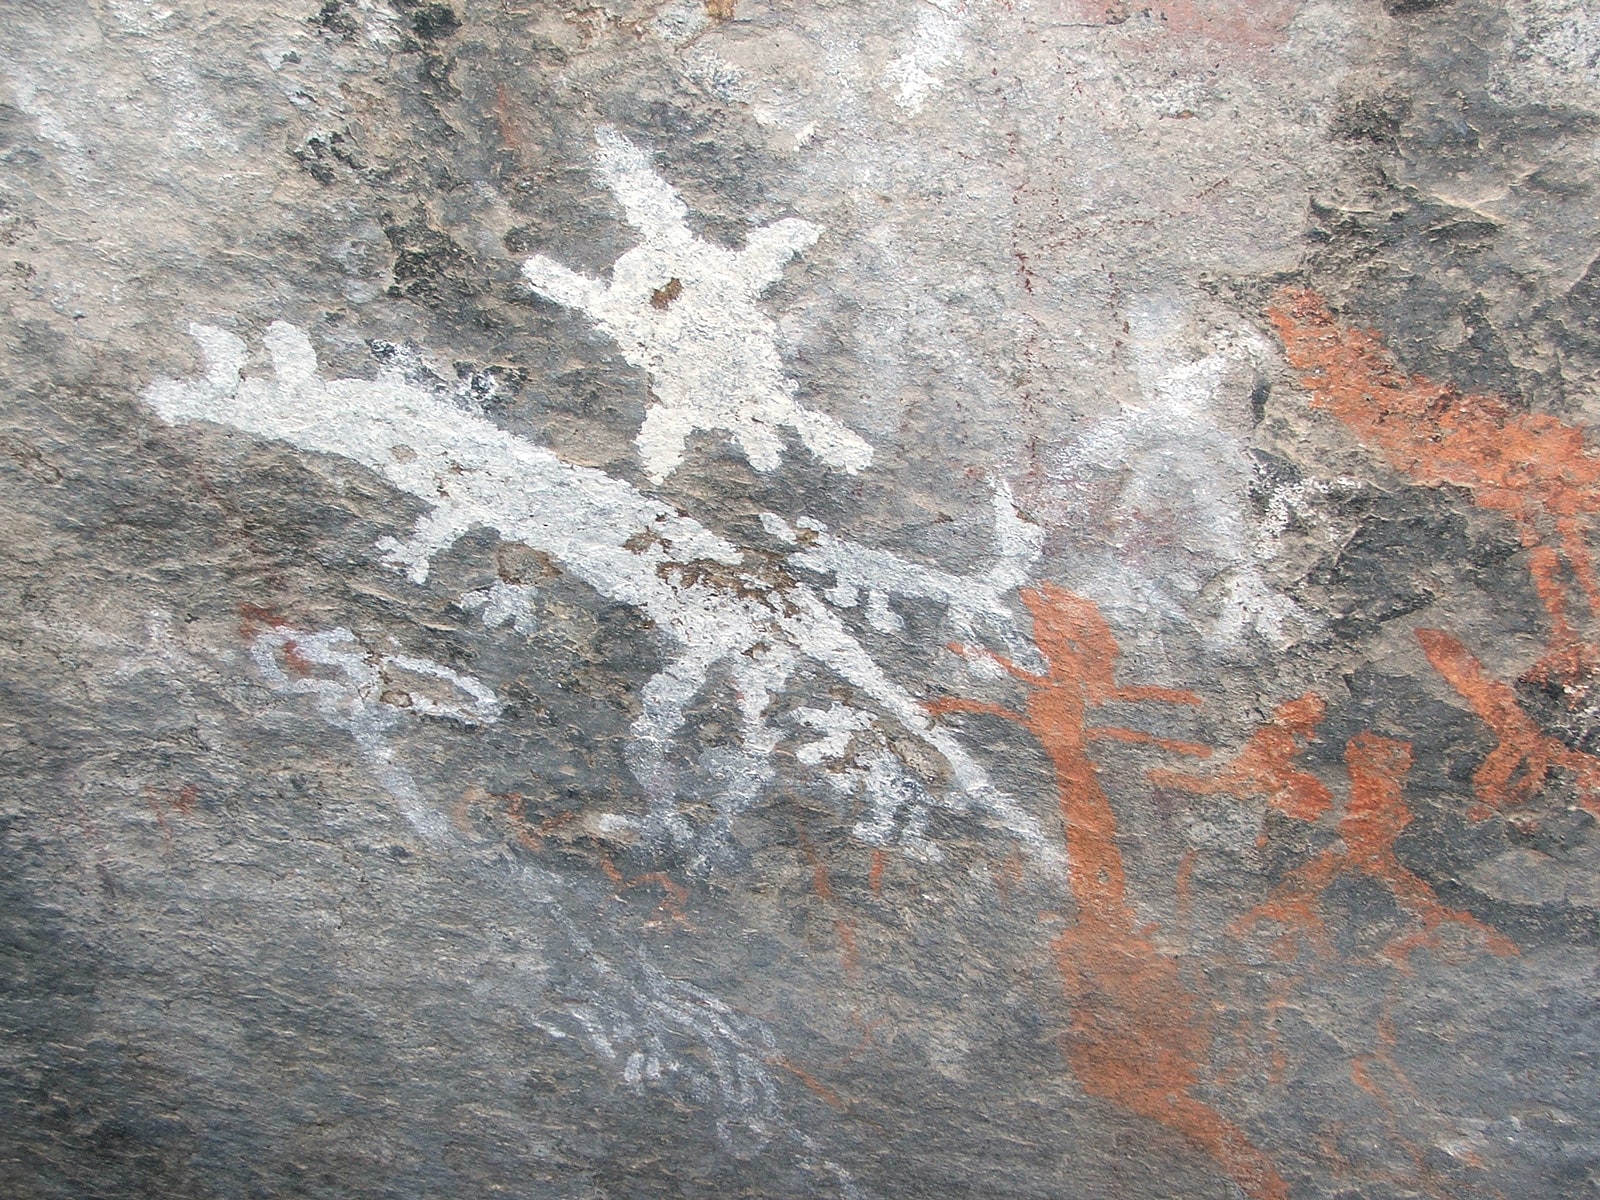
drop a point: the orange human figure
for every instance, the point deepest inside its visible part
(1374, 817)
(1519, 765)
(1537, 470)
(1264, 767)
(1139, 1035)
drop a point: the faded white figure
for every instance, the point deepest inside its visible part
(684, 310)
(1160, 533)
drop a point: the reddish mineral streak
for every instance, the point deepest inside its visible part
(674, 895)
(1373, 819)
(822, 884)
(1264, 768)
(1534, 468)
(182, 804)
(1139, 1035)
(1519, 765)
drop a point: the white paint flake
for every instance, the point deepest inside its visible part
(893, 803)
(504, 603)
(896, 805)
(837, 724)
(684, 310)
(365, 695)
(717, 617)
(934, 43)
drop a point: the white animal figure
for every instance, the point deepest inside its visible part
(716, 615)
(684, 310)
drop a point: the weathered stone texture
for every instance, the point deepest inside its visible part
(971, 597)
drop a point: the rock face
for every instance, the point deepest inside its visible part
(971, 597)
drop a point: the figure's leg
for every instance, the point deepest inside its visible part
(661, 439)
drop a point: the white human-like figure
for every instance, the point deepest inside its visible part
(1181, 490)
(684, 310)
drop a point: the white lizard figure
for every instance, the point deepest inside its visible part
(711, 609)
(684, 310)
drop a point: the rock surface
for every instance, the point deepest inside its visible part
(970, 597)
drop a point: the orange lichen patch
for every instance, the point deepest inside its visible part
(1525, 755)
(1374, 818)
(1537, 470)
(1139, 1035)
(1264, 768)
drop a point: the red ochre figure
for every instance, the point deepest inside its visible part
(1537, 470)
(1140, 1036)
(1374, 817)
(1522, 761)
(1264, 767)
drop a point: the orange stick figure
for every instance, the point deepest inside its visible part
(1519, 765)
(1264, 767)
(1139, 1035)
(1373, 819)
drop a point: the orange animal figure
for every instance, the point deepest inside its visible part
(1537, 470)
(1373, 819)
(1139, 1036)
(1264, 767)
(1519, 765)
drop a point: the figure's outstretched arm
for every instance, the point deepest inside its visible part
(563, 285)
(1161, 694)
(650, 204)
(768, 249)
(1115, 733)
(952, 704)
(1000, 660)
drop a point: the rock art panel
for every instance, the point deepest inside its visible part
(697, 598)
